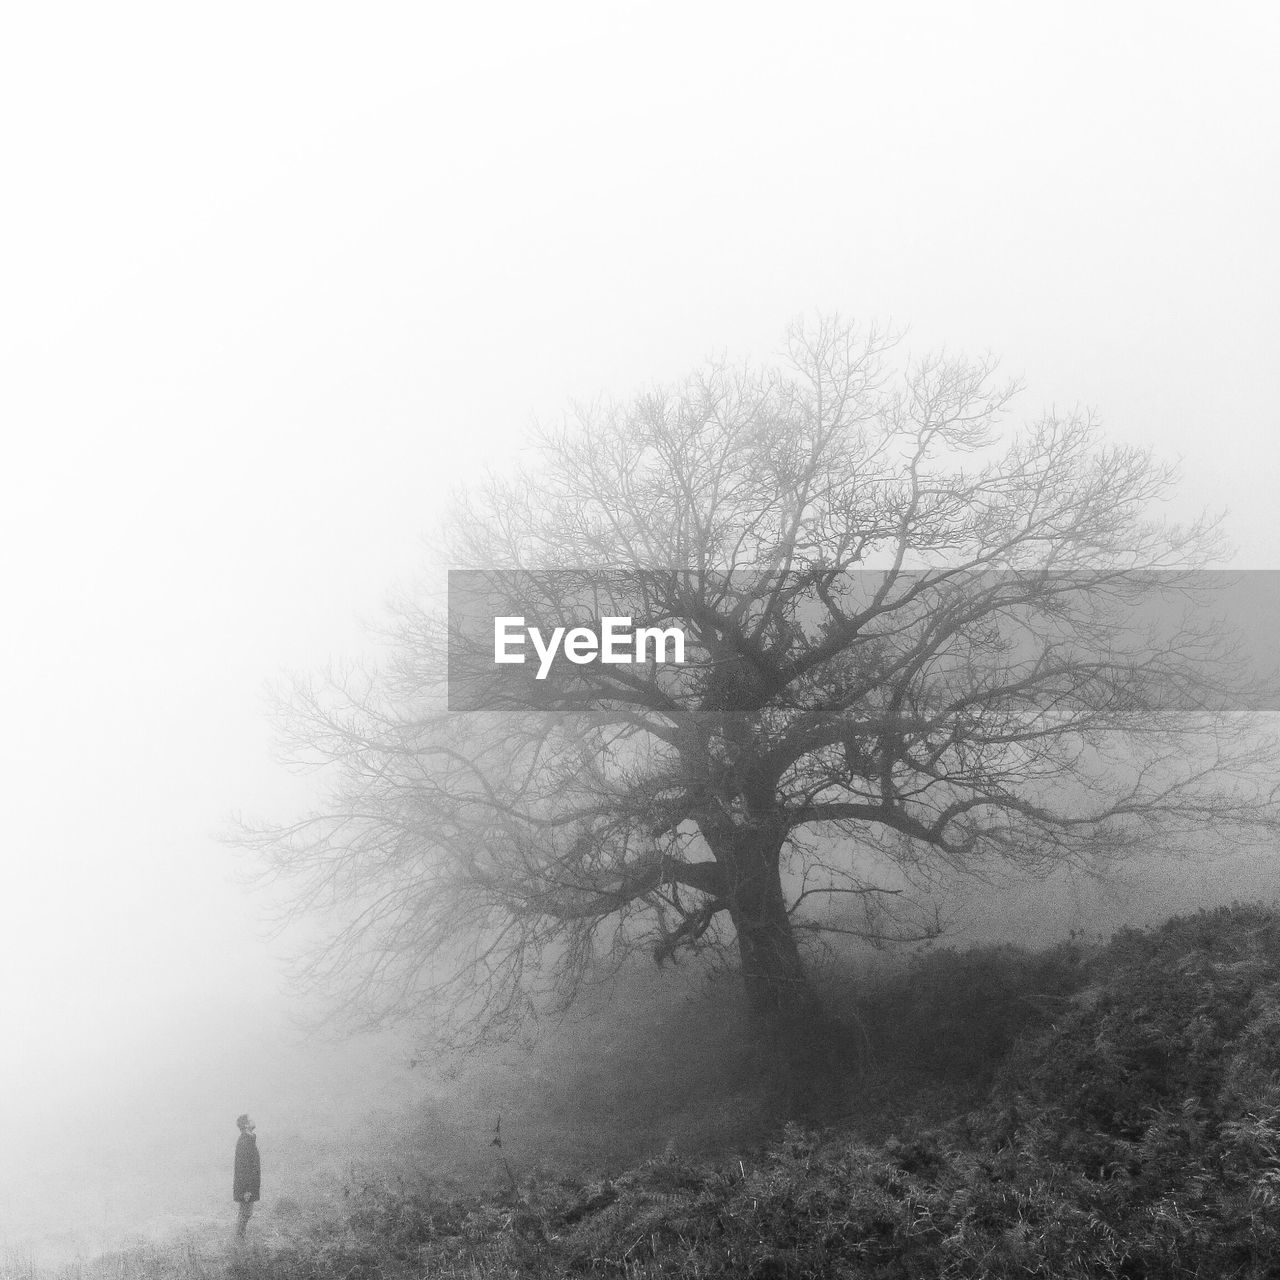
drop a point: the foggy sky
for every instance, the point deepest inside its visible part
(273, 278)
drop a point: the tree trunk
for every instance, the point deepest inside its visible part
(802, 1046)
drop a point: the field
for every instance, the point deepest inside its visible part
(1091, 1110)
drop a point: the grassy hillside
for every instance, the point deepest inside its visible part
(1104, 1111)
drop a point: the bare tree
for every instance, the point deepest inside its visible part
(916, 639)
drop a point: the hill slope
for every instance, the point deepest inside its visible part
(1106, 1113)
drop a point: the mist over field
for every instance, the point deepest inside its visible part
(141, 1151)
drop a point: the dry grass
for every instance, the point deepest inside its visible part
(1130, 1128)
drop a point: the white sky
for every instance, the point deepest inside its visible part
(273, 277)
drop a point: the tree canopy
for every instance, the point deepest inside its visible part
(918, 635)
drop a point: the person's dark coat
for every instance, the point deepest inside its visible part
(248, 1168)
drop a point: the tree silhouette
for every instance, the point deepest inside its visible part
(915, 638)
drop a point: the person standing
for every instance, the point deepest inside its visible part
(247, 1184)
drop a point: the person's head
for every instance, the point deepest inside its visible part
(244, 1124)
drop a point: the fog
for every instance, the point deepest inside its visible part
(275, 279)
